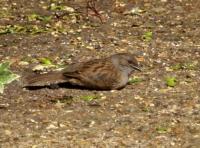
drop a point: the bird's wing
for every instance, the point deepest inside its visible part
(74, 70)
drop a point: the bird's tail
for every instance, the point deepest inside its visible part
(44, 79)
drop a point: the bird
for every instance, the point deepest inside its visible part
(109, 73)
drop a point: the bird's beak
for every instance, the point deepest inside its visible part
(136, 68)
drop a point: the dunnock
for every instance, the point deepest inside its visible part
(105, 74)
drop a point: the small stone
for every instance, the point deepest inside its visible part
(51, 126)
(103, 97)
(151, 104)
(92, 123)
(135, 10)
(138, 98)
(23, 63)
(8, 132)
(112, 91)
(69, 9)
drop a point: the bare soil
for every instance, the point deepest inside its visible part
(144, 114)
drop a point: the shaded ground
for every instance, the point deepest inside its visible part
(144, 114)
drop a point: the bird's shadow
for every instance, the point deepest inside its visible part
(59, 85)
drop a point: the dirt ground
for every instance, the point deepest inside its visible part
(144, 114)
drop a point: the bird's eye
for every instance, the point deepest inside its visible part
(130, 62)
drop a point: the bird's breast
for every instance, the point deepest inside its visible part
(123, 80)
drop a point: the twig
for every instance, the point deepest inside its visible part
(91, 5)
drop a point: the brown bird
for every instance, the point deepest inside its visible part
(104, 74)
